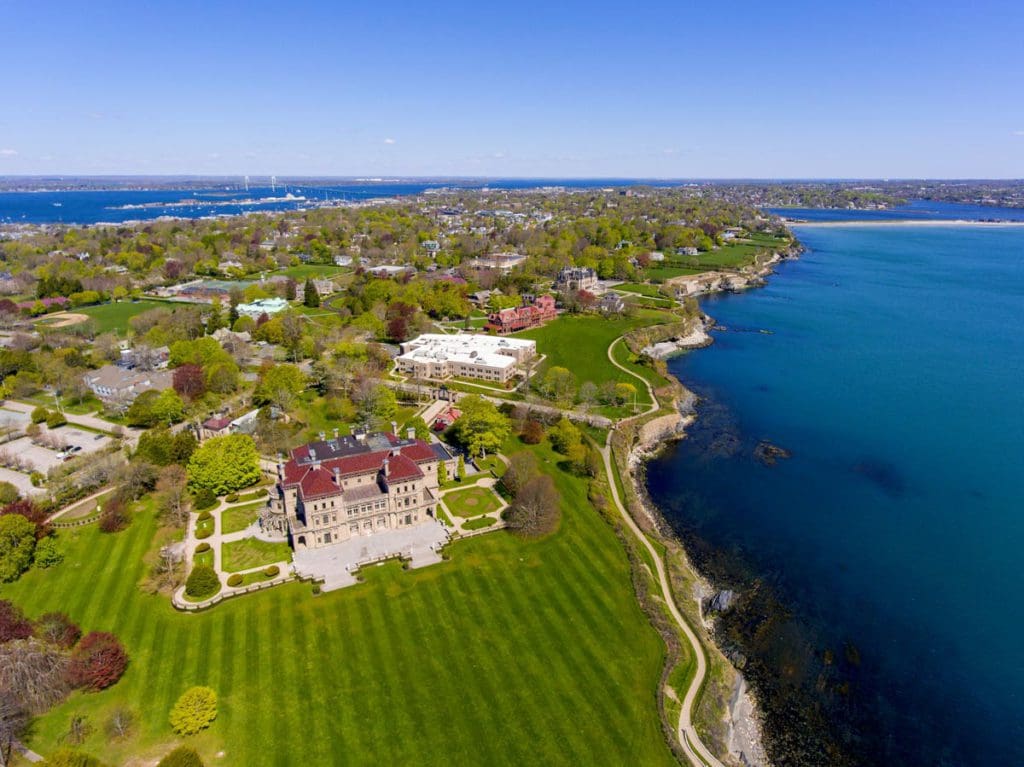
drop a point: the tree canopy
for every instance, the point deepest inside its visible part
(224, 464)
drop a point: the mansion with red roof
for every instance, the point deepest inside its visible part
(333, 490)
(522, 317)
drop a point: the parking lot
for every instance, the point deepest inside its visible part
(43, 459)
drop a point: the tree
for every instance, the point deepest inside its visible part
(140, 412)
(182, 756)
(13, 623)
(189, 381)
(58, 629)
(279, 385)
(172, 494)
(460, 467)
(564, 435)
(419, 427)
(48, 554)
(559, 385)
(535, 510)
(533, 432)
(8, 493)
(17, 544)
(224, 464)
(31, 511)
(442, 472)
(97, 662)
(115, 515)
(14, 719)
(34, 673)
(168, 407)
(522, 467)
(195, 711)
(119, 723)
(311, 297)
(481, 428)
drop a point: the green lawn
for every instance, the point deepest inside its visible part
(668, 272)
(312, 270)
(471, 502)
(512, 652)
(114, 317)
(479, 522)
(641, 288)
(580, 343)
(240, 517)
(250, 552)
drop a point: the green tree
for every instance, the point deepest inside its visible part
(419, 427)
(564, 436)
(442, 472)
(202, 582)
(311, 297)
(224, 464)
(195, 711)
(279, 385)
(481, 428)
(17, 544)
(168, 407)
(67, 757)
(559, 384)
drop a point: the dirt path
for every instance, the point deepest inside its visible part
(63, 319)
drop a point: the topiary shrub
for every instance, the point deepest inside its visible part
(235, 579)
(195, 711)
(272, 572)
(202, 548)
(231, 498)
(39, 414)
(182, 756)
(202, 582)
(205, 532)
(204, 499)
(205, 515)
(68, 757)
(97, 662)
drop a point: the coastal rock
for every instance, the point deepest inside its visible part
(768, 454)
(721, 601)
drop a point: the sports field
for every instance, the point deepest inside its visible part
(512, 652)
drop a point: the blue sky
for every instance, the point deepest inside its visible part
(555, 89)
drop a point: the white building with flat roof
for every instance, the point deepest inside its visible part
(469, 355)
(260, 306)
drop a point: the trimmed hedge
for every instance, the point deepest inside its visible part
(205, 515)
(272, 572)
(231, 498)
(204, 499)
(235, 579)
(205, 532)
(202, 548)
(182, 756)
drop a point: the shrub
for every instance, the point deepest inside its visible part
(202, 582)
(40, 414)
(202, 548)
(204, 499)
(115, 516)
(13, 623)
(47, 553)
(68, 757)
(195, 710)
(205, 515)
(8, 493)
(235, 579)
(97, 662)
(36, 479)
(58, 629)
(55, 419)
(533, 432)
(231, 498)
(182, 756)
(17, 544)
(202, 533)
(119, 723)
(272, 572)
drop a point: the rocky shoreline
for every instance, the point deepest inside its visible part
(745, 725)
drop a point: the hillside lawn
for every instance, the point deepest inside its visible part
(511, 652)
(580, 344)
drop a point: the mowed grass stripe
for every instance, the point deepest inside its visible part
(340, 722)
(320, 679)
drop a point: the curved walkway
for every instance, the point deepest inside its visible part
(696, 751)
(650, 389)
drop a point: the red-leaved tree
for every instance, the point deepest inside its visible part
(32, 513)
(58, 629)
(189, 381)
(97, 662)
(13, 623)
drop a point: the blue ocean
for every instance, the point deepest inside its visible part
(78, 206)
(889, 361)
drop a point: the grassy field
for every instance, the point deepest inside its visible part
(637, 287)
(512, 652)
(730, 256)
(580, 343)
(240, 517)
(250, 552)
(471, 502)
(114, 317)
(312, 270)
(479, 522)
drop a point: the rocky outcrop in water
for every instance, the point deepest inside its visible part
(767, 453)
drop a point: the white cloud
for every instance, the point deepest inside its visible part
(1018, 133)
(389, 141)
(8, 152)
